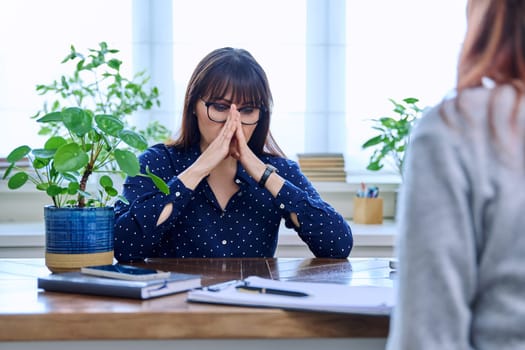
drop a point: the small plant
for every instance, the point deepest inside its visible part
(394, 132)
(92, 136)
(97, 83)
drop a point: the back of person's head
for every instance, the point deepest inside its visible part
(493, 56)
(494, 45)
(231, 71)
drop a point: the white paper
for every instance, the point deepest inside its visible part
(325, 297)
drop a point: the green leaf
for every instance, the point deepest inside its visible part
(18, 153)
(80, 65)
(44, 153)
(114, 63)
(399, 109)
(127, 162)
(45, 131)
(134, 139)
(71, 177)
(77, 121)
(95, 136)
(54, 190)
(379, 128)
(8, 171)
(112, 192)
(40, 163)
(374, 166)
(161, 184)
(73, 187)
(42, 186)
(51, 118)
(55, 106)
(373, 141)
(105, 181)
(70, 56)
(54, 143)
(64, 82)
(410, 100)
(388, 122)
(71, 202)
(103, 46)
(70, 157)
(109, 124)
(17, 180)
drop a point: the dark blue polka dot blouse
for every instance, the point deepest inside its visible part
(198, 227)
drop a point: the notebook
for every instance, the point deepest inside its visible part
(76, 282)
(323, 297)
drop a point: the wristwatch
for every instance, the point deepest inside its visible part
(267, 172)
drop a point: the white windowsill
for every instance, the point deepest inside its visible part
(364, 235)
(31, 234)
(22, 227)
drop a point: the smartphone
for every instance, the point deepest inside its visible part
(125, 272)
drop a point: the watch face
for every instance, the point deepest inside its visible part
(270, 168)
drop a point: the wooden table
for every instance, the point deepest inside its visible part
(29, 314)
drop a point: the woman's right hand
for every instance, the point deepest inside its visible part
(216, 152)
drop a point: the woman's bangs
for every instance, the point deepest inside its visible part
(244, 88)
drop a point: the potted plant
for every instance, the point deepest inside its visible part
(90, 137)
(394, 135)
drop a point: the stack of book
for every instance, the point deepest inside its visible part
(120, 281)
(323, 166)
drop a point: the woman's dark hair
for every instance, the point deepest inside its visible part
(229, 70)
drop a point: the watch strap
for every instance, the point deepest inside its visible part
(267, 172)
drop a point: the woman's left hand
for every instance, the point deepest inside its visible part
(254, 166)
(239, 150)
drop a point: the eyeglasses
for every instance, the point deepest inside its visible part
(218, 112)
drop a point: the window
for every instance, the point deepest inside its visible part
(274, 31)
(35, 36)
(397, 49)
(332, 65)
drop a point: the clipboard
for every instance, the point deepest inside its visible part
(307, 296)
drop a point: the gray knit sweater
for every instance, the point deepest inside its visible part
(461, 220)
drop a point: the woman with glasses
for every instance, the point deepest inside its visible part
(230, 184)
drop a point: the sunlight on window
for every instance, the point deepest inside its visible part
(408, 48)
(36, 35)
(274, 33)
(394, 49)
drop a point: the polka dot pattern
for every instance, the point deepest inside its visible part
(198, 227)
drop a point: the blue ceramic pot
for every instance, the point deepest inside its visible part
(77, 237)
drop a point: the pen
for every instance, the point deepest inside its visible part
(367, 192)
(362, 191)
(262, 290)
(220, 286)
(372, 192)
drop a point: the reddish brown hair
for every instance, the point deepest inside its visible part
(494, 47)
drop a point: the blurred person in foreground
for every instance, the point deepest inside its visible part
(461, 249)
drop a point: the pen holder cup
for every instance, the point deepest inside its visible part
(368, 210)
